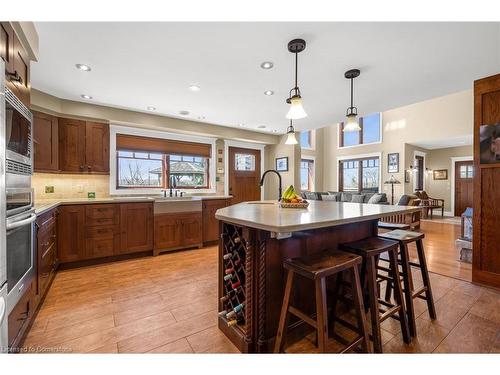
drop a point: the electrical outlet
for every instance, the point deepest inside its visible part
(49, 189)
(91, 194)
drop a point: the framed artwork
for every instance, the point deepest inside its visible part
(393, 162)
(282, 164)
(489, 144)
(440, 174)
(407, 176)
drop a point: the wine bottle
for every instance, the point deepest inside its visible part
(230, 294)
(230, 315)
(229, 271)
(237, 262)
(237, 240)
(238, 308)
(235, 284)
(236, 319)
(228, 256)
(228, 277)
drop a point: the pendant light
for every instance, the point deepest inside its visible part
(352, 124)
(290, 132)
(296, 110)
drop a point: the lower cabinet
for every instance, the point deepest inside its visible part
(210, 223)
(46, 252)
(136, 226)
(177, 231)
(20, 318)
(71, 230)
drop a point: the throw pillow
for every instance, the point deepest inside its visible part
(336, 196)
(329, 197)
(404, 200)
(357, 198)
(345, 197)
(375, 199)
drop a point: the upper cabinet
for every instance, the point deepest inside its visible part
(45, 142)
(17, 63)
(72, 145)
(97, 147)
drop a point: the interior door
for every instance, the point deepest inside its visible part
(464, 173)
(244, 174)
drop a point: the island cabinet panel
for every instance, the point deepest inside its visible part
(45, 142)
(177, 231)
(210, 223)
(97, 147)
(136, 226)
(71, 145)
(71, 233)
(486, 237)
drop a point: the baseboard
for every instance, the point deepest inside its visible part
(448, 213)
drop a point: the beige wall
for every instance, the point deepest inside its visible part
(440, 118)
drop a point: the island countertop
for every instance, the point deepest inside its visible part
(269, 216)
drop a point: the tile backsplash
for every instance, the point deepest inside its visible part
(69, 185)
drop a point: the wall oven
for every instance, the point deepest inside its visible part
(18, 134)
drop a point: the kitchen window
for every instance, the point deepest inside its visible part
(359, 175)
(370, 132)
(307, 175)
(188, 171)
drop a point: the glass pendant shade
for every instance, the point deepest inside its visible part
(291, 139)
(352, 124)
(296, 110)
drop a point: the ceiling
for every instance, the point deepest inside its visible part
(465, 140)
(137, 65)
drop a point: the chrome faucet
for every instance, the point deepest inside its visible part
(279, 178)
(173, 185)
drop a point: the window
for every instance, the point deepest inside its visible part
(307, 175)
(466, 171)
(369, 133)
(359, 175)
(156, 170)
(306, 139)
(244, 162)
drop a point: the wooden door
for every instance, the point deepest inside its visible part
(244, 174)
(464, 173)
(46, 142)
(167, 232)
(136, 226)
(192, 230)
(71, 145)
(97, 147)
(486, 237)
(210, 223)
(71, 233)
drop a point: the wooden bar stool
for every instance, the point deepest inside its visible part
(404, 237)
(370, 249)
(318, 267)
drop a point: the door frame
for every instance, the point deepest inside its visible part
(252, 146)
(424, 178)
(454, 159)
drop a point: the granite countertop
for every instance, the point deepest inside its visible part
(269, 216)
(44, 205)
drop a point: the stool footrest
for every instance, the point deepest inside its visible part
(389, 312)
(299, 314)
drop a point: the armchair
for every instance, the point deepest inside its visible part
(430, 204)
(412, 219)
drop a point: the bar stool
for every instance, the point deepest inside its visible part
(370, 249)
(318, 267)
(404, 237)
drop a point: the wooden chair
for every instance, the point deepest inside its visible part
(430, 204)
(318, 267)
(410, 221)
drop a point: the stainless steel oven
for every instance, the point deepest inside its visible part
(18, 134)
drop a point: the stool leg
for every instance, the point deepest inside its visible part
(321, 312)
(398, 296)
(425, 278)
(360, 309)
(408, 292)
(373, 302)
(283, 324)
(336, 294)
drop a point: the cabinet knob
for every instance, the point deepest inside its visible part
(89, 167)
(82, 166)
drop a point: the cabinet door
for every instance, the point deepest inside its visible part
(20, 317)
(7, 46)
(71, 145)
(21, 80)
(136, 226)
(167, 232)
(97, 147)
(46, 142)
(71, 233)
(210, 223)
(192, 230)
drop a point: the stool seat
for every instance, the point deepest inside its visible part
(386, 225)
(404, 236)
(369, 246)
(322, 264)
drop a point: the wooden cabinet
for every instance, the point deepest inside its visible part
(136, 226)
(45, 142)
(83, 146)
(47, 258)
(210, 223)
(7, 45)
(177, 231)
(71, 233)
(20, 317)
(102, 223)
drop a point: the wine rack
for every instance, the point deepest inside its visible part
(233, 301)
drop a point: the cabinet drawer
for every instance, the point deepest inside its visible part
(46, 267)
(102, 214)
(100, 247)
(19, 318)
(102, 232)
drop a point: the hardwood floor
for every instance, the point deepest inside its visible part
(167, 304)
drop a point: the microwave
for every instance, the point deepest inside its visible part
(18, 135)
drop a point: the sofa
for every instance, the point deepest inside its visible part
(378, 198)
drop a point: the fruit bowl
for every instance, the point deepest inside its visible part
(303, 204)
(290, 199)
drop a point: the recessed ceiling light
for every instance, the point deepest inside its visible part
(184, 113)
(84, 96)
(195, 88)
(269, 92)
(151, 108)
(267, 65)
(83, 67)
(261, 126)
(201, 117)
(241, 125)
(275, 131)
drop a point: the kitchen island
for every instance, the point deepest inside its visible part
(255, 239)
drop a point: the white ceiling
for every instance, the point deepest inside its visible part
(136, 65)
(465, 140)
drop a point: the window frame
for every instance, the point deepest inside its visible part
(312, 139)
(311, 181)
(340, 143)
(167, 172)
(359, 158)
